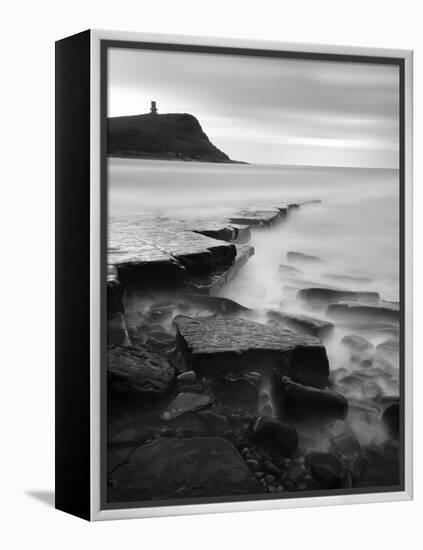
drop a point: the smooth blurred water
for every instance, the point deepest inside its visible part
(356, 227)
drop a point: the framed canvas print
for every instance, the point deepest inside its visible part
(233, 278)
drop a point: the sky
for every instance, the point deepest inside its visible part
(265, 110)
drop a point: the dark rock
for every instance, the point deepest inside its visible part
(297, 258)
(215, 304)
(163, 469)
(161, 136)
(117, 332)
(273, 434)
(188, 377)
(114, 297)
(362, 313)
(326, 296)
(216, 422)
(383, 470)
(238, 392)
(186, 402)
(359, 347)
(302, 323)
(391, 419)
(306, 403)
(343, 439)
(216, 346)
(139, 370)
(326, 469)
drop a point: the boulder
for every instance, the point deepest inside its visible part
(301, 403)
(275, 435)
(362, 313)
(326, 296)
(185, 403)
(303, 260)
(139, 370)
(170, 468)
(237, 392)
(226, 345)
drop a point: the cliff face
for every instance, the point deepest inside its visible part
(166, 136)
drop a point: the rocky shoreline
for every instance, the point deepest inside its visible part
(209, 398)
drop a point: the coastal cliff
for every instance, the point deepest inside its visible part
(173, 136)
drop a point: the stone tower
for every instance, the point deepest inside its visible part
(153, 109)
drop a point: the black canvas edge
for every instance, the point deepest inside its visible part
(243, 51)
(72, 222)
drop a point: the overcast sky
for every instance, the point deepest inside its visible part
(262, 110)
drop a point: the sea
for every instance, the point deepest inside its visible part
(354, 230)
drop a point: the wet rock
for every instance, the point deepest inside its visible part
(216, 422)
(186, 402)
(163, 469)
(289, 271)
(391, 419)
(139, 370)
(274, 434)
(383, 469)
(326, 296)
(303, 260)
(362, 313)
(346, 279)
(117, 332)
(326, 469)
(306, 403)
(188, 377)
(114, 297)
(343, 439)
(256, 217)
(388, 352)
(302, 323)
(238, 392)
(218, 346)
(359, 347)
(215, 304)
(117, 455)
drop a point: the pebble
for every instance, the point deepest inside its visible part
(271, 468)
(253, 464)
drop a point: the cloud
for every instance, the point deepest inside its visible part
(269, 110)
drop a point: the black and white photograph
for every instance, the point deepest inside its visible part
(254, 310)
